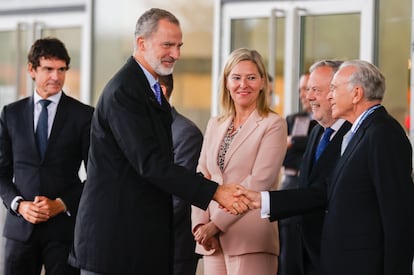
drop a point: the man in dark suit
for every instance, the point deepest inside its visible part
(300, 125)
(316, 168)
(302, 254)
(187, 141)
(368, 223)
(39, 181)
(370, 198)
(125, 222)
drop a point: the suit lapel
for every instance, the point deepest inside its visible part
(28, 122)
(309, 158)
(58, 122)
(344, 159)
(351, 147)
(221, 131)
(249, 126)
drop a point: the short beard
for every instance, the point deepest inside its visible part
(156, 64)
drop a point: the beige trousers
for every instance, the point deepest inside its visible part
(246, 264)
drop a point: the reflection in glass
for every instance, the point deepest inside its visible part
(330, 37)
(12, 75)
(71, 37)
(254, 34)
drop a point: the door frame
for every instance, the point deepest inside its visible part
(227, 10)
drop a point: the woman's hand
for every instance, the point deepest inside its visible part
(203, 233)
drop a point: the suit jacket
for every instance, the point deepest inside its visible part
(310, 199)
(187, 142)
(369, 221)
(294, 154)
(125, 219)
(253, 159)
(24, 173)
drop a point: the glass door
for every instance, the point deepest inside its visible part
(21, 26)
(291, 35)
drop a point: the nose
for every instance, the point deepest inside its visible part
(329, 95)
(54, 74)
(175, 53)
(309, 94)
(243, 82)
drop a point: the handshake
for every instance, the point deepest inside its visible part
(236, 199)
(232, 198)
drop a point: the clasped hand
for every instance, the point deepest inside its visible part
(41, 209)
(236, 199)
(226, 197)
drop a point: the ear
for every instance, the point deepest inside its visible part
(140, 43)
(358, 94)
(31, 70)
(164, 90)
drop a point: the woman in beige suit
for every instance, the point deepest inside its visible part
(245, 145)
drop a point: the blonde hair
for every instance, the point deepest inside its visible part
(227, 103)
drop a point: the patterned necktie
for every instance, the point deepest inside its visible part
(157, 90)
(41, 130)
(324, 142)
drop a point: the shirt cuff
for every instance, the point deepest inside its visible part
(13, 205)
(64, 205)
(265, 210)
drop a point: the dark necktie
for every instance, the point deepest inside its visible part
(157, 90)
(324, 142)
(41, 130)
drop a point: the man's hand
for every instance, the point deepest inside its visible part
(50, 207)
(255, 199)
(32, 213)
(40, 210)
(225, 197)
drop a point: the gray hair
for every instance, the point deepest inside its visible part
(369, 77)
(147, 23)
(333, 64)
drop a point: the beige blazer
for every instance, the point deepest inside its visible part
(253, 160)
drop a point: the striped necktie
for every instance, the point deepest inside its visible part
(157, 90)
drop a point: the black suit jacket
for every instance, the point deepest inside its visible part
(294, 153)
(310, 199)
(187, 142)
(24, 173)
(316, 174)
(125, 223)
(369, 222)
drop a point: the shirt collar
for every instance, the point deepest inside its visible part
(54, 98)
(148, 75)
(361, 117)
(337, 124)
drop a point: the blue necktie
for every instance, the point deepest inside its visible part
(41, 130)
(324, 142)
(157, 90)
